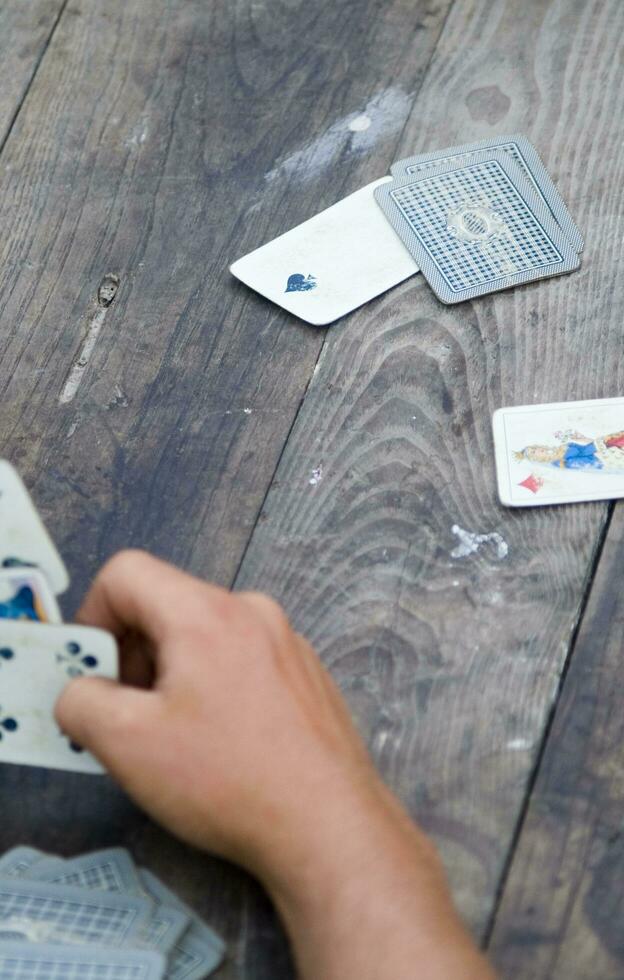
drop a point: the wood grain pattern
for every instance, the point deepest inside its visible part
(562, 910)
(159, 142)
(452, 664)
(25, 30)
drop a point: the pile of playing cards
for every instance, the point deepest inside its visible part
(97, 917)
(39, 654)
(473, 219)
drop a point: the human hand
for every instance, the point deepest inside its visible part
(228, 730)
(226, 727)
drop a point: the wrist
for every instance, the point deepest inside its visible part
(357, 840)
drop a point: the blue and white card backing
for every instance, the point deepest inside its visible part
(493, 221)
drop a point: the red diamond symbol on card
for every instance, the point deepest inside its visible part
(532, 483)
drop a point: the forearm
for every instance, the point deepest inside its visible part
(369, 901)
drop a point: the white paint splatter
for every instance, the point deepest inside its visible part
(519, 744)
(360, 123)
(316, 476)
(469, 542)
(139, 133)
(356, 133)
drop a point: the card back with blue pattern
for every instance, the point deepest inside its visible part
(476, 228)
(42, 961)
(523, 153)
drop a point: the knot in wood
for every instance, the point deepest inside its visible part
(108, 290)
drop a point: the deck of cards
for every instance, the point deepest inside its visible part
(474, 219)
(39, 654)
(97, 917)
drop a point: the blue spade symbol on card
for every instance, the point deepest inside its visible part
(300, 284)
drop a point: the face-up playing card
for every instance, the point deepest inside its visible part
(24, 540)
(476, 228)
(560, 453)
(36, 662)
(44, 961)
(26, 594)
(523, 153)
(332, 263)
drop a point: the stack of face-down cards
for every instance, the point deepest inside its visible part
(39, 654)
(97, 917)
(474, 219)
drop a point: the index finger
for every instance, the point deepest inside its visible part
(136, 591)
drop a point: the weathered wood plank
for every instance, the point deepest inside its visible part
(160, 141)
(563, 906)
(25, 29)
(451, 663)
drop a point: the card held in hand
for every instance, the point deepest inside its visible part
(37, 660)
(24, 540)
(477, 227)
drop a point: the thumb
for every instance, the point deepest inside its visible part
(106, 718)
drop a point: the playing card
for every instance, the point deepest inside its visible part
(560, 453)
(43, 961)
(39, 912)
(332, 263)
(114, 870)
(24, 540)
(525, 155)
(37, 660)
(476, 228)
(26, 594)
(199, 950)
(109, 870)
(16, 862)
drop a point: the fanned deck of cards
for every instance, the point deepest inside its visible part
(97, 917)
(39, 654)
(474, 219)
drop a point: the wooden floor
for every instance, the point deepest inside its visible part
(156, 141)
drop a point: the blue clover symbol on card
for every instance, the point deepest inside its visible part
(75, 660)
(7, 724)
(6, 654)
(300, 284)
